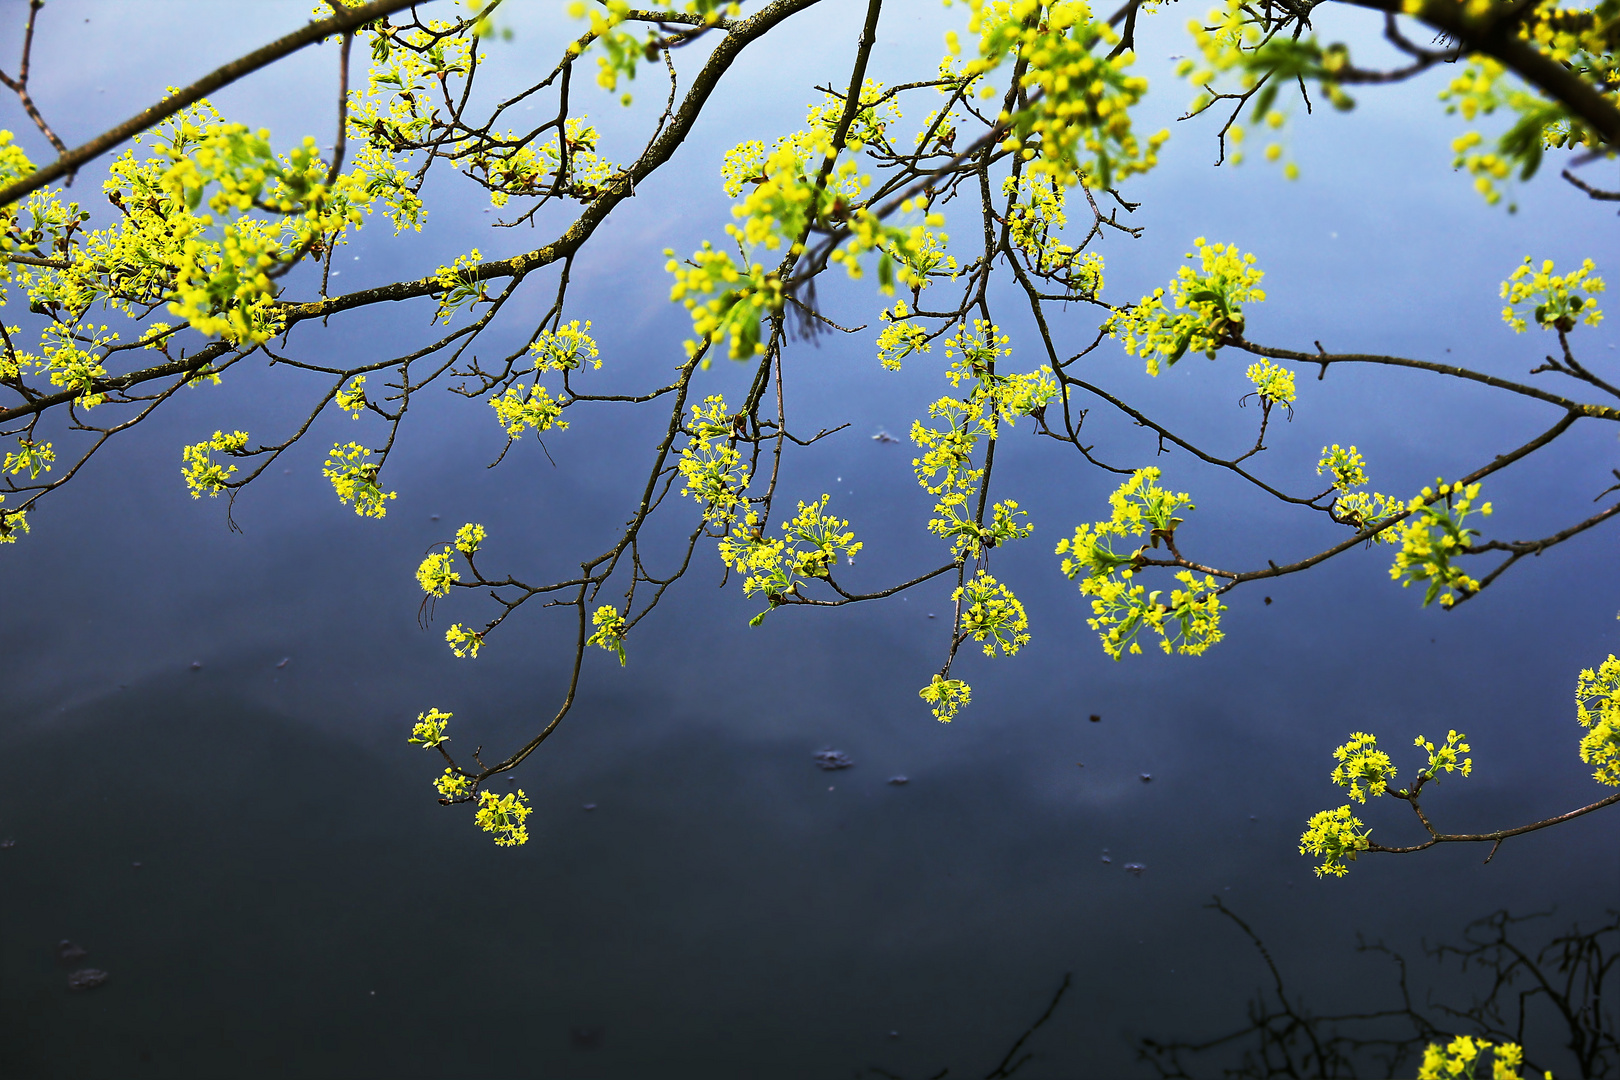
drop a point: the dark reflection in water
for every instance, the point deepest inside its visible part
(1514, 980)
(1018, 1055)
(251, 852)
(721, 912)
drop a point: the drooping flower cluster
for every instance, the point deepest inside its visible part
(776, 567)
(1597, 707)
(1433, 536)
(1188, 621)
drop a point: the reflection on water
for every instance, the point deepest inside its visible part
(1514, 980)
(264, 893)
(1017, 1055)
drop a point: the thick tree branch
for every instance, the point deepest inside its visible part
(184, 366)
(1496, 35)
(621, 187)
(74, 159)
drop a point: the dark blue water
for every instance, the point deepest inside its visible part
(302, 904)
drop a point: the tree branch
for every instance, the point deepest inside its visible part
(72, 160)
(1496, 35)
(1491, 837)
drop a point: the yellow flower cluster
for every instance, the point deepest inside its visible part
(390, 120)
(1236, 39)
(743, 164)
(463, 642)
(946, 468)
(1272, 382)
(1470, 93)
(1188, 623)
(994, 616)
(1362, 767)
(243, 171)
(899, 338)
(437, 573)
(223, 286)
(502, 816)
(974, 351)
(14, 163)
(1447, 757)
(610, 630)
(954, 522)
(780, 196)
(909, 255)
(1077, 126)
(1597, 707)
(203, 475)
(354, 478)
(12, 523)
(460, 285)
(778, 567)
(1558, 303)
(565, 348)
(1335, 837)
(1035, 222)
(873, 115)
(469, 538)
(453, 785)
(1206, 308)
(1361, 509)
(783, 196)
(430, 728)
(569, 165)
(1432, 537)
(946, 697)
(711, 465)
(727, 298)
(622, 50)
(945, 463)
(207, 220)
(1580, 40)
(920, 255)
(528, 407)
(1473, 92)
(1357, 509)
(352, 398)
(71, 364)
(1348, 467)
(1459, 1060)
(36, 457)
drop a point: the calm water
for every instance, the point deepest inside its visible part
(252, 850)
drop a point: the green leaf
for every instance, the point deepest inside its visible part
(1262, 103)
